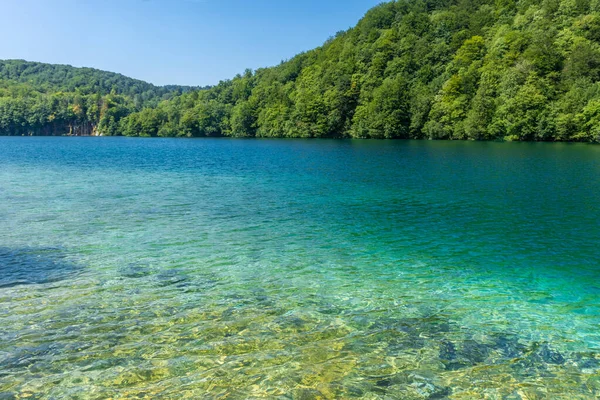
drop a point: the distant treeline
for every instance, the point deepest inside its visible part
(46, 99)
(425, 69)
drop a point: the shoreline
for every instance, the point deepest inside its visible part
(307, 138)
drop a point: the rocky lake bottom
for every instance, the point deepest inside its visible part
(235, 269)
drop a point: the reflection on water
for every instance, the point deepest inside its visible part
(298, 270)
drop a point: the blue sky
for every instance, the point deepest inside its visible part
(191, 42)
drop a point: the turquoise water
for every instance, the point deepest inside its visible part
(295, 269)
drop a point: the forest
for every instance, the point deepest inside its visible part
(46, 99)
(526, 70)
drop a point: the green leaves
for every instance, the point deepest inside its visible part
(444, 69)
(386, 115)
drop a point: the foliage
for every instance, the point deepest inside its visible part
(424, 69)
(46, 99)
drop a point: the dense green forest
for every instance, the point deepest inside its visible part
(435, 69)
(45, 99)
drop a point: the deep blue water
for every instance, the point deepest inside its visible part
(220, 268)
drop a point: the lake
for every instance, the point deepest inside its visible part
(298, 269)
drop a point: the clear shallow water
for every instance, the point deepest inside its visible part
(135, 268)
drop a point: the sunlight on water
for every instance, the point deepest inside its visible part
(298, 269)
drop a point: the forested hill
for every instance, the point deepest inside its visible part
(54, 77)
(440, 69)
(436, 69)
(47, 99)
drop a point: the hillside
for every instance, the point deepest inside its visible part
(424, 69)
(47, 99)
(66, 78)
(436, 69)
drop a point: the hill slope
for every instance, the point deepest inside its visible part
(45, 99)
(438, 69)
(435, 69)
(55, 77)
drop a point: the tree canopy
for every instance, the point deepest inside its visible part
(422, 69)
(47, 99)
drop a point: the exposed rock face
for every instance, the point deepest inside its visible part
(83, 129)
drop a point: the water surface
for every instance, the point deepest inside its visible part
(298, 269)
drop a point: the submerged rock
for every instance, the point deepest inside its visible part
(171, 277)
(329, 309)
(509, 346)
(294, 322)
(26, 357)
(467, 354)
(384, 383)
(587, 362)
(307, 394)
(449, 356)
(264, 301)
(136, 270)
(447, 351)
(474, 352)
(345, 390)
(550, 356)
(440, 393)
(536, 361)
(428, 388)
(27, 266)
